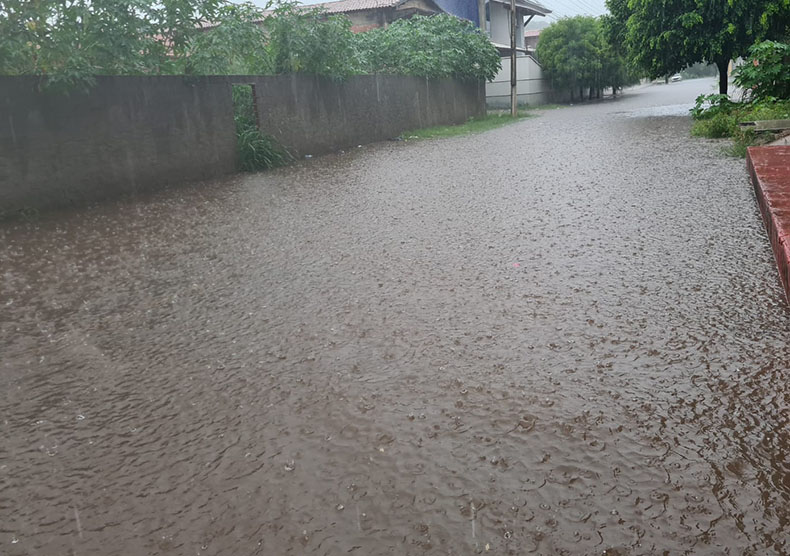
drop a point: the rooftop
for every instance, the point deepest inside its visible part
(527, 6)
(345, 6)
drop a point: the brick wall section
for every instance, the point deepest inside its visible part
(130, 134)
(769, 169)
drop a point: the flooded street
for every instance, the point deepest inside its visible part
(564, 336)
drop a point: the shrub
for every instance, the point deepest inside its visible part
(310, 41)
(718, 117)
(433, 46)
(720, 125)
(236, 45)
(708, 106)
(766, 73)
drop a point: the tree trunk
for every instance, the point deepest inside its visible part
(723, 66)
(581, 94)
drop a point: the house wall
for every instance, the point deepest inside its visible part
(465, 9)
(366, 20)
(130, 134)
(531, 87)
(499, 15)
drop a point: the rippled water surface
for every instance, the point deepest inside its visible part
(565, 336)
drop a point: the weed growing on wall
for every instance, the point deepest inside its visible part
(256, 150)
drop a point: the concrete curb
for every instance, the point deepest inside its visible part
(769, 170)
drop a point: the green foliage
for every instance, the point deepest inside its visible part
(767, 73)
(577, 54)
(492, 120)
(236, 44)
(708, 106)
(257, 151)
(717, 126)
(434, 46)
(716, 116)
(665, 36)
(68, 42)
(310, 41)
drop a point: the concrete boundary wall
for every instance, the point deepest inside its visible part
(312, 115)
(130, 134)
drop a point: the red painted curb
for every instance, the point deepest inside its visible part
(769, 169)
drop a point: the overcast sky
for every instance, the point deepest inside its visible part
(559, 8)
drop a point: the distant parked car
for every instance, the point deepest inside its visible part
(676, 77)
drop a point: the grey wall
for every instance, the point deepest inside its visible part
(312, 115)
(130, 134)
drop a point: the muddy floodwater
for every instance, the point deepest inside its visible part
(564, 336)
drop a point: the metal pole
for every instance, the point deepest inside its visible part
(513, 95)
(481, 14)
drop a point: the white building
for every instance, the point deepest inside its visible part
(531, 88)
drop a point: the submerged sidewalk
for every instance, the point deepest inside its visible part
(769, 168)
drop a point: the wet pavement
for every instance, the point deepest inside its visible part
(565, 336)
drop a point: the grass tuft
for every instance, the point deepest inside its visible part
(256, 150)
(492, 120)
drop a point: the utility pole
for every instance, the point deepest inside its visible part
(481, 14)
(513, 95)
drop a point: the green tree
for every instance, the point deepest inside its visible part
(433, 46)
(68, 42)
(666, 36)
(235, 44)
(307, 40)
(575, 55)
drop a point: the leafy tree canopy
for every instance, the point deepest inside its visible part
(666, 36)
(576, 54)
(434, 46)
(68, 42)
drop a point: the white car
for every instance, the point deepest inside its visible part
(676, 77)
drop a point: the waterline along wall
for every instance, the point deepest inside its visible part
(131, 134)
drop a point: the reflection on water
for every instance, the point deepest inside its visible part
(571, 346)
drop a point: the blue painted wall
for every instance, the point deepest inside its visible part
(466, 9)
